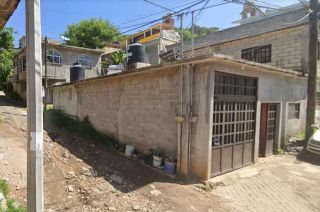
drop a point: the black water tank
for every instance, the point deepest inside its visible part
(77, 72)
(136, 53)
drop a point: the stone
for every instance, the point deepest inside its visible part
(6, 163)
(136, 207)
(70, 188)
(116, 179)
(70, 175)
(112, 209)
(66, 154)
(152, 186)
(155, 192)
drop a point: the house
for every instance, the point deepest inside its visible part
(60, 58)
(217, 112)
(153, 32)
(279, 38)
(155, 39)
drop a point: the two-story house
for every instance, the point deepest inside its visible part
(60, 58)
(278, 38)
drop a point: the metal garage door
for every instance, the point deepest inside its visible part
(233, 122)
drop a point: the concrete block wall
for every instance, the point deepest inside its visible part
(289, 47)
(137, 109)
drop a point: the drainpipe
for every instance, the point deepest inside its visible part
(190, 117)
(179, 120)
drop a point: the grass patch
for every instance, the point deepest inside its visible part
(4, 188)
(2, 119)
(81, 128)
(11, 204)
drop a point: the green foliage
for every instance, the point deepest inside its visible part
(2, 120)
(301, 135)
(159, 152)
(4, 188)
(171, 156)
(81, 128)
(119, 57)
(279, 151)
(6, 56)
(198, 32)
(12, 207)
(92, 33)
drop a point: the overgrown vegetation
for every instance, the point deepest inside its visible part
(199, 31)
(6, 56)
(81, 128)
(11, 205)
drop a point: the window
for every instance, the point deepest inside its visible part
(294, 111)
(22, 63)
(260, 54)
(54, 57)
(84, 60)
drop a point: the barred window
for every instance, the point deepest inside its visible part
(260, 54)
(54, 57)
(84, 60)
(22, 63)
(294, 111)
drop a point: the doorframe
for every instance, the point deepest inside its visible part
(277, 139)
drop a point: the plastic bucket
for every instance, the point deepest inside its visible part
(157, 161)
(129, 150)
(169, 167)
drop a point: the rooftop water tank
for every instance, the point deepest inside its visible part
(136, 53)
(77, 72)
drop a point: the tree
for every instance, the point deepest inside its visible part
(198, 31)
(92, 33)
(6, 56)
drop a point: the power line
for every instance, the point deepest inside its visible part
(158, 5)
(159, 19)
(199, 13)
(147, 16)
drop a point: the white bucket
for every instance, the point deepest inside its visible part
(129, 150)
(157, 161)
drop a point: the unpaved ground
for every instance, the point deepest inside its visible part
(85, 176)
(277, 183)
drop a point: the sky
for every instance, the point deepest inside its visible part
(58, 14)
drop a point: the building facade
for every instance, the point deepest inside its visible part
(218, 113)
(280, 40)
(60, 58)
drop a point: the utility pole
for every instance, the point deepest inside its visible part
(181, 36)
(192, 41)
(45, 75)
(312, 66)
(34, 105)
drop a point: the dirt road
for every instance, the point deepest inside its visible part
(85, 176)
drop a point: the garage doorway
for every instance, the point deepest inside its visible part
(234, 115)
(268, 128)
